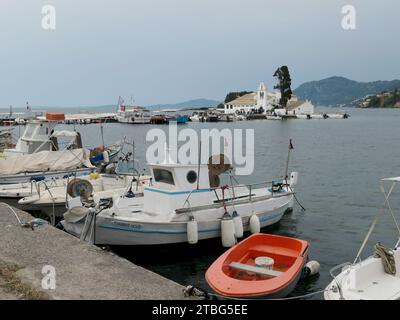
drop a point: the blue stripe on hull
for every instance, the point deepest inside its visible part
(127, 229)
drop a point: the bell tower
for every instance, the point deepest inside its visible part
(262, 96)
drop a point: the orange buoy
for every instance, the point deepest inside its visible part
(55, 116)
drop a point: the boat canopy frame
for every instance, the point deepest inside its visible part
(386, 205)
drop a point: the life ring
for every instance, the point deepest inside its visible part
(79, 188)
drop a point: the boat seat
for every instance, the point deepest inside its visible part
(255, 269)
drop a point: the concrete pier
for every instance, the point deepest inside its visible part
(82, 271)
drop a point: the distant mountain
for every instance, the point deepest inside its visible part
(340, 91)
(196, 103)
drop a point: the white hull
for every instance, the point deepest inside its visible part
(366, 280)
(135, 121)
(117, 231)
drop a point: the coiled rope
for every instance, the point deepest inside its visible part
(387, 257)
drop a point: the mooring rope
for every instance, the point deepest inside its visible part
(192, 291)
(297, 200)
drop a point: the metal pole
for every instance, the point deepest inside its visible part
(102, 133)
(198, 166)
(287, 165)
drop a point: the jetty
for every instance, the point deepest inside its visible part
(29, 256)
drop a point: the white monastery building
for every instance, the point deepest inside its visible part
(266, 101)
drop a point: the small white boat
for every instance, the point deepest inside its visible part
(272, 117)
(374, 278)
(186, 203)
(336, 116)
(318, 116)
(303, 116)
(240, 117)
(198, 116)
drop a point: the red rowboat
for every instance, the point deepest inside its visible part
(261, 266)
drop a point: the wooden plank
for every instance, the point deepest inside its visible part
(255, 269)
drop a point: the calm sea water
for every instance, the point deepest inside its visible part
(340, 164)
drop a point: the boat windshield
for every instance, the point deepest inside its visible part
(162, 175)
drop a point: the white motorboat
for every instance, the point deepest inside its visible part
(374, 278)
(49, 197)
(186, 203)
(132, 114)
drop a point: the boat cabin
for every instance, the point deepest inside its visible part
(39, 135)
(177, 186)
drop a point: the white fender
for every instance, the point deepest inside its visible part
(228, 232)
(237, 220)
(106, 156)
(116, 198)
(294, 176)
(192, 232)
(311, 268)
(255, 226)
(28, 200)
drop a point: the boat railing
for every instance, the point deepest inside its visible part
(37, 185)
(248, 187)
(332, 273)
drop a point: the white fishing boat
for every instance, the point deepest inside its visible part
(132, 113)
(36, 137)
(40, 135)
(376, 277)
(186, 203)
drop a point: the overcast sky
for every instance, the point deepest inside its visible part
(166, 51)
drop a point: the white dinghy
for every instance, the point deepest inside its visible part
(375, 278)
(185, 204)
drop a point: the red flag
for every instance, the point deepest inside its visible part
(290, 145)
